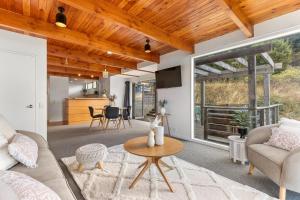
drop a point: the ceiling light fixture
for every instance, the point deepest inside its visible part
(109, 52)
(66, 61)
(61, 19)
(92, 76)
(147, 46)
(105, 73)
(79, 74)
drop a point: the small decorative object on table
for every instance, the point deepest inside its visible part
(153, 125)
(91, 156)
(242, 120)
(237, 149)
(112, 99)
(162, 104)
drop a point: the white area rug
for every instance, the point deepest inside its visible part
(189, 181)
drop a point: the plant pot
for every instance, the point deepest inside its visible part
(162, 111)
(243, 132)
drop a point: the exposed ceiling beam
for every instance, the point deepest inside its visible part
(243, 61)
(88, 57)
(210, 69)
(71, 75)
(226, 66)
(51, 68)
(233, 10)
(41, 28)
(108, 11)
(268, 58)
(26, 7)
(60, 62)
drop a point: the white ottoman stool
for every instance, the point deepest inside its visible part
(91, 156)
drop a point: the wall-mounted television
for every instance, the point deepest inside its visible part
(167, 78)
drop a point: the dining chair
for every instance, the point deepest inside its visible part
(95, 117)
(112, 114)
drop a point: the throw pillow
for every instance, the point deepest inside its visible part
(5, 129)
(6, 161)
(7, 192)
(289, 122)
(26, 187)
(24, 149)
(283, 139)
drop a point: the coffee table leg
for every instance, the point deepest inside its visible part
(144, 163)
(157, 161)
(147, 165)
(165, 165)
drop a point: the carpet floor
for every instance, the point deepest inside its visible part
(64, 140)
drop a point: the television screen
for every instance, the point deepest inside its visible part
(167, 78)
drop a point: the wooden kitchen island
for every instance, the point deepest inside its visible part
(77, 111)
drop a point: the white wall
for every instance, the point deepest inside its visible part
(27, 45)
(58, 91)
(75, 89)
(117, 87)
(180, 99)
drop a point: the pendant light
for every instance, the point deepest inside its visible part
(105, 73)
(147, 46)
(61, 19)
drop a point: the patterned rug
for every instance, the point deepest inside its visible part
(189, 181)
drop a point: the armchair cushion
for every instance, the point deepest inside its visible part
(267, 159)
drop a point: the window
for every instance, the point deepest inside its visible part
(91, 85)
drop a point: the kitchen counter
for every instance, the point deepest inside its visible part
(77, 110)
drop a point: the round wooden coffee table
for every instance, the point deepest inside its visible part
(138, 146)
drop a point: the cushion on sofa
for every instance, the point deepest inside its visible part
(289, 122)
(24, 149)
(6, 129)
(26, 187)
(267, 159)
(7, 192)
(284, 139)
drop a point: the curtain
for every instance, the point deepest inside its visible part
(127, 100)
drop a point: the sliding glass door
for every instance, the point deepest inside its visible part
(144, 95)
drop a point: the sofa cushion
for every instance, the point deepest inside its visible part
(267, 159)
(47, 167)
(7, 161)
(24, 149)
(60, 186)
(26, 187)
(41, 142)
(7, 192)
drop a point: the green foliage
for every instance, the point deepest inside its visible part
(281, 53)
(242, 119)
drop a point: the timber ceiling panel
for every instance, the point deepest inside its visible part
(191, 21)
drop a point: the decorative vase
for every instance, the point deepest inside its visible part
(162, 111)
(243, 132)
(159, 135)
(151, 140)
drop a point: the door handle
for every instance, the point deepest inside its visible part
(29, 106)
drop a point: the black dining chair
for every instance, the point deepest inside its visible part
(95, 117)
(112, 114)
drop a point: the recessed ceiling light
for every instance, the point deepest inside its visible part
(92, 76)
(79, 74)
(109, 52)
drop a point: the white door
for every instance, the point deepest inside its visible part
(17, 94)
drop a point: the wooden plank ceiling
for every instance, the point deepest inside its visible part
(95, 27)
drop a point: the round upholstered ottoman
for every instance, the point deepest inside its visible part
(91, 156)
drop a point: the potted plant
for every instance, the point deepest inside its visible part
(162, 104)
(242, 120)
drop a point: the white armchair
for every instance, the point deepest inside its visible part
(279, 165)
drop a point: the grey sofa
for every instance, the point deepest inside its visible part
(48, 171)
(282, 167)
